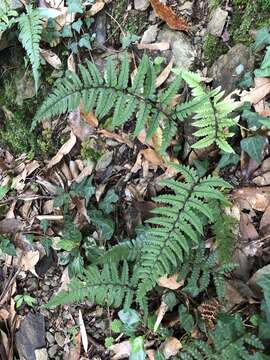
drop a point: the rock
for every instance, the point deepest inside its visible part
(50, 338)
(228, 69)
(52, 351)
(217, 22)
(60, 339)
(25, 88)
(30, 336)
(181, 46)
(150, 34)
(100, 28)
(253, 281)
(141, 4)
(17, 4)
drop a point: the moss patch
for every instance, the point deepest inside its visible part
(212, 49)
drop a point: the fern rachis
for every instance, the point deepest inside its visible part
(112, 92)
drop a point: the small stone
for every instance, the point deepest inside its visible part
(141, 4)
(182, 49)
(217, 22)
(49, 338)
(45, 288)
(150, 34)
(229, 68)
(52, 351)
(60, 339)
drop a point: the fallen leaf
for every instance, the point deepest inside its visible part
(41, 354)
(64, 150)
(256, 94)
(71, 63)
(265, 222)
(89, 118)
(163, 76)
(80, 128)
(160, 46)
(51, 58)
(75, 349)
(262, 108)
(123, 138)
(160, 314)
(171, 282)
(258, 198)
(121, 350)
(232, 296)
(171, 347)
(10, 226)
(247, 229)
(29, 260)
(83, 332)
(95, 8)
(167, 14)
(152, 157)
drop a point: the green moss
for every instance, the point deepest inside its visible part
(248, 15)
(212, 49)
(121, 21)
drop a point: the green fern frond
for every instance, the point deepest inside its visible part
(108, 286)
(177, 225)
(30, 25)
(212, 114)
(229, 341)
(112, 92)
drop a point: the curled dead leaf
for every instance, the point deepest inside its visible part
(167, 14)
(51, 58)
(171, 282)
(171, 347)
(64, 150)
(163, 76)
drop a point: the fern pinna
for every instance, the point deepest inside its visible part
(229, 341)
(113, 93)
(30, 25)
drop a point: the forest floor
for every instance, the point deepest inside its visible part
(48, 234)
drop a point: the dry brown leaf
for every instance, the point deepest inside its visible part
(29, 261)
(121, 350)
(41, 354)
(153, 157)
(160, 46)
(89, 118)
(265, 222)
(79, 127)
(160, 314)
(167, 14)
(71, 63)
(256, 94)
(95, 8)
(262, 108)
(247, 229)
(83, 332)
(232, 296)
(171, 282)
(10, 226)
(258, 198)
(123, 138)
(163, 76)
(171, 347)
(64, 150)
(151, 354)
(51, 58)
(87, 171)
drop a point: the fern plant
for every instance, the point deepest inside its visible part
(178, 225)
(199, 268)
(229, 341)
(7, 16)
(113, 92)
(30, 26)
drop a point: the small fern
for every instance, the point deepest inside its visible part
(30, 25)
(229, 341)
(111, 93)
(178, 225)
(198, 269)
(106, 287)
(212, 114)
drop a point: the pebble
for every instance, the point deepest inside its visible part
(49, 337)
(150, 34)
(45, 288)
(52, 351)
(60, 339)
(217, 22)
(141, 4)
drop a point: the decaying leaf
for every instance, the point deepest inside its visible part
(29, 261)
(167, 14)
(160, 46)
(163, 76)
(171, 347)
(258, 198)
(83, 332)
(160, 314)
(64, 150)
(171, 282)
(51, 58)
(256, 94)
